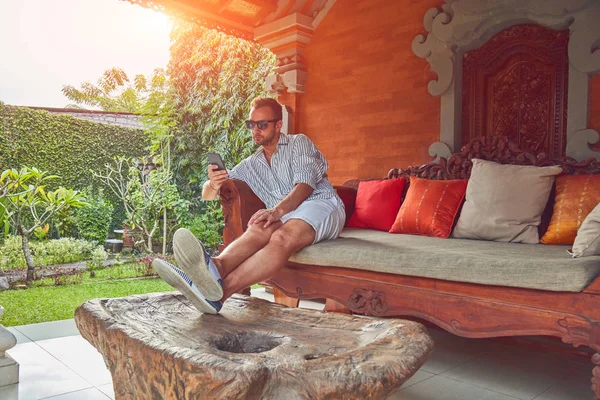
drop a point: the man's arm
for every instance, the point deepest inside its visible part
(210, 189)
(299, 193)
(209, 192)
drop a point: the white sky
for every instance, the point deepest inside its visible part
(45, 44)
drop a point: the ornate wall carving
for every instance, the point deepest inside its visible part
(463, 25)
(516, 85)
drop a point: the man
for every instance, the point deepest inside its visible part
(288, 173)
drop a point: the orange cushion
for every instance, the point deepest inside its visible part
(576, 196)
(430, 207)
(377, 203)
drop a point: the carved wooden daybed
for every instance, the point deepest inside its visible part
(465, 309)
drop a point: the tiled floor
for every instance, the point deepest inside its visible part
(56, 363)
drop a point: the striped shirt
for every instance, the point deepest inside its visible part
(296, 160)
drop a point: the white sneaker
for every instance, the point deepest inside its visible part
(180, 281)
(193, 259)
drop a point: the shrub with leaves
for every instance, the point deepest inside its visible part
(94, 221)
(99, 255)
(30, 204)
(65, 146)
(72, 276)
(147, 194)
(65, 250)
(144, 264)
(64, 224)
(58, 251)
(11, 254)
(208, 227)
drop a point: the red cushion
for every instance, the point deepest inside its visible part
(377, 204)
(430, 207)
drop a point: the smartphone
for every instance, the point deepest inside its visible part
(215, 159)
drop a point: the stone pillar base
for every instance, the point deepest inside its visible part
(9, 370)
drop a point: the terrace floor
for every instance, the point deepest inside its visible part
(57, 363)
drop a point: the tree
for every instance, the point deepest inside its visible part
(213, 78)
(199, 105)
(146, 194)
(116, 92)
(29, 206)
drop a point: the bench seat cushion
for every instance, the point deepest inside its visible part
(534, 266)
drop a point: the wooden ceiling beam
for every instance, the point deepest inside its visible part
(270, 5)
(208, 14)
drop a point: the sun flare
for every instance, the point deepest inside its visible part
(158, 20)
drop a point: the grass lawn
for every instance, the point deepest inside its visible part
(115, 272)
(45, 301)
(52, 303)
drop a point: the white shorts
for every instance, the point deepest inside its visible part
(326, 216)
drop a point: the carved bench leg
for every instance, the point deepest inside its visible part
(281, 298)
(245, 291)
(334, 306)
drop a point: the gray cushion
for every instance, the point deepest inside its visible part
(535, 266)
(505, 202)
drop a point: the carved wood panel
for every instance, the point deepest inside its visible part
(516, 85)
(495, 148)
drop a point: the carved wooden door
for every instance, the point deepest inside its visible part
(516, 85)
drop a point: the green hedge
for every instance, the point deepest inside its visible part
(65, 146)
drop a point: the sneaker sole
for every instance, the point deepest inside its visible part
(189, 253)
(173, 279)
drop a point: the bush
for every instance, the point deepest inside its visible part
(99, 255)
(59, 251)
(64, 223)
(11, 254)
(66, 146)
(63, 250)
(208, 228)
(73, 276)
(143, 265)
(93, 221)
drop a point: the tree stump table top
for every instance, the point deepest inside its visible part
(158, 346)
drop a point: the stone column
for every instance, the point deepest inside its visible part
(9, 368)
(287, 37)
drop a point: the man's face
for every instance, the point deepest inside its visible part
(269, 135)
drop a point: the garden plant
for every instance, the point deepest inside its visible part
(29, 206)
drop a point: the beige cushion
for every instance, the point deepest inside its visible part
(587, 242)
(534, 266)
(505, 202)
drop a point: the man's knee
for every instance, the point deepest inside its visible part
(258, 232)
(280, 238)
(289, 239)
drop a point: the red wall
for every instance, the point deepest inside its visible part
(366, 104)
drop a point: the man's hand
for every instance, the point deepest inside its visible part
(216, 178)
(267, 217)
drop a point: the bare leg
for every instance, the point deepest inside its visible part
(255, 238)
(287, 240)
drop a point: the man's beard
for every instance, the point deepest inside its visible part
(264, 141)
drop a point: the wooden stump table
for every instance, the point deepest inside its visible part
(157, 346)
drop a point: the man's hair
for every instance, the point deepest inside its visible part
(268, 102)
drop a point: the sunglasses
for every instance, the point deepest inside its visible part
(260, 124)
